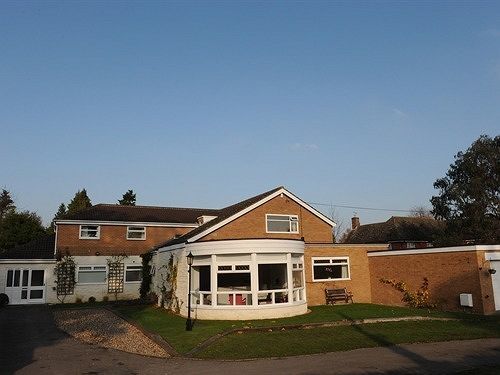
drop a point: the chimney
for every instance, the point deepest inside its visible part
(354, 222)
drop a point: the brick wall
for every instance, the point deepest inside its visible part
(359, 283)
(113, 240)
(449, 274)
(253, 224)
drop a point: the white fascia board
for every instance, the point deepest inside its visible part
(128, 223)
(170, 248)
(432, 250)
(31, 261)
(257, 204)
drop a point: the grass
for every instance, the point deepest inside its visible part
(329, 339)
(172, 328)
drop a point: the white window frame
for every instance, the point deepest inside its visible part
(290, 217)
(129, 266)
(97, 237)
(92, 269)
(329, 261)
(129, 230)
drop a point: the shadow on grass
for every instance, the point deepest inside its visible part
(383, 341)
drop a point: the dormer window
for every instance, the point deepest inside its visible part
(90, 232)
(136, 233)
(282, 223)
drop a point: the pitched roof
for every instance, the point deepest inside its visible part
(397, 228)
(140, 214)
(224, 214)
(39, 248)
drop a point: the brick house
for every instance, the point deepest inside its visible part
(399, 232)
(268, 256)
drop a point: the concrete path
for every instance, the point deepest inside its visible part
(31, 344)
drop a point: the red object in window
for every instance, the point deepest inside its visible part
(239, 299)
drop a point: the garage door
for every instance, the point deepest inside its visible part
(495, 279)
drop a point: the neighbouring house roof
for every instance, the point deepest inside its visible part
(232, 211)
(39, 248)
(140, 214)
(397, 228)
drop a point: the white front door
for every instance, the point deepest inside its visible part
(25, 286)
(495, 280)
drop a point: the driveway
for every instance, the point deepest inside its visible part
(30, 343)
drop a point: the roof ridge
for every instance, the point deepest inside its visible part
(156, 207)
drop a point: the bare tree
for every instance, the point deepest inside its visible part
(420, 211)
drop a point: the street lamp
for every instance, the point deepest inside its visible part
(189, 323)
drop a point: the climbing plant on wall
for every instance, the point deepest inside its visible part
(116, 274)
(64, 272)
(168, 285)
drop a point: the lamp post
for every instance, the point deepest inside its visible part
(189, 323)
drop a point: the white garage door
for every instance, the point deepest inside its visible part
(495, 279)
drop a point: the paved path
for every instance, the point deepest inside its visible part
(31, 344)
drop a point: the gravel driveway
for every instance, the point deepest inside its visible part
(102, 327)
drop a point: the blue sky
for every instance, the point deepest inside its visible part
(207, 103)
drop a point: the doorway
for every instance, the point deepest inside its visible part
(25, 286)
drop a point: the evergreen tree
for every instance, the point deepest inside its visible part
(6, 203)
(128, 199)
(79, 202)
(18, 228)
(469, 198)
(61, 211)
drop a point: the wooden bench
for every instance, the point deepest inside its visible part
(341, 294)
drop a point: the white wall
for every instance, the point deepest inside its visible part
(82, 292)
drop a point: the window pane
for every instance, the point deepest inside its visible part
(10, 277)
(91, 277)
(331, 272)
(242, 268)
(17, 275)
(272, 276)
(37, 278)
(24, 294)
(133, 275)
(36, 294)
(225, 268)
(339, 260)
(233, 281)
(204, 278)
(297, 279)
(99, 268)
(25, 277)
(278, 226)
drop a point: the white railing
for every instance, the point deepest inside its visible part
(234, 298)
(271, 297)
(298, 294)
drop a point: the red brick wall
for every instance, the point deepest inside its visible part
(359, 283)
(253, 224)
(449, 274)
(113, 240)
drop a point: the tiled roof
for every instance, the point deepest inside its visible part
(39, 248)
(140, 214)
(224, 214)
(397, 228)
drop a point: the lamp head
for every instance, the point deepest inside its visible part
(190, 258)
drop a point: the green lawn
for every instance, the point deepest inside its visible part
(172, 327)
(280, 343)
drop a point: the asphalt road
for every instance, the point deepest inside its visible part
(30, 343)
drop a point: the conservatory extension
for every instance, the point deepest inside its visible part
(239, 279)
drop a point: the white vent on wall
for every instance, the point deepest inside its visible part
(466, 299)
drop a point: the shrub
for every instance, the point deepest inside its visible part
(105, 299)
(78, 300)
(91, 299)
(4, 299)
(420, 298)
